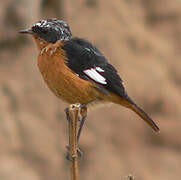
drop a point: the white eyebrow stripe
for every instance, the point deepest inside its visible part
(44, 22)
(93, 74)
(99, 69)
(37, 24)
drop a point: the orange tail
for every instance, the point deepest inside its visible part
(131, 105)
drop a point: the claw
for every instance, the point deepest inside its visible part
(70, 158)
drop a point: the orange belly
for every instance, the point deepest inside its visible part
(62, 81)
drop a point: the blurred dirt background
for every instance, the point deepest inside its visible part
(142, 39)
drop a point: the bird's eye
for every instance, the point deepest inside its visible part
(44, 31)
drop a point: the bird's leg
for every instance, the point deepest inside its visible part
(67, 114)
(83, 114)
(52, 47)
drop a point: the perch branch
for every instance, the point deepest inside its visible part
(72, 116)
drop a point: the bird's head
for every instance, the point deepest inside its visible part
(49, 30)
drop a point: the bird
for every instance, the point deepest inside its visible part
(76, 71)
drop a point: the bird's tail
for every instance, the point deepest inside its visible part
(134, 107)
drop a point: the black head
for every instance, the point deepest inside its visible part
(50, 30)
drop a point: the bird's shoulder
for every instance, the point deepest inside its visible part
(79, 49)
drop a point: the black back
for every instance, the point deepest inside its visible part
(82, 55)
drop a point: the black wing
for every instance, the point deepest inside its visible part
(89, 63)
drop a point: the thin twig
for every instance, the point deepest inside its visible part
(73, 112)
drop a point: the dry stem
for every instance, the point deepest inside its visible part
(72, 115)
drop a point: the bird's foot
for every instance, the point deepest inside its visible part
(79, 154)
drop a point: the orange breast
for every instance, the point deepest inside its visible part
(62, 81)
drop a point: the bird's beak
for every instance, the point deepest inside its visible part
(26, 31)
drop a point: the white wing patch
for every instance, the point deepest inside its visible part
(99, 69)
(93, 74)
